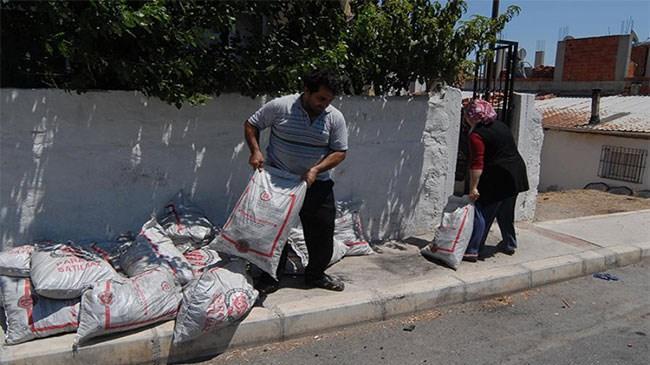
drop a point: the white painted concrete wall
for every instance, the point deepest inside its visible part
(570, 160)
(401, 160)
(528, 132)
(91, 166)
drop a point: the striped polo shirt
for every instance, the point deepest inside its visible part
(297, 143)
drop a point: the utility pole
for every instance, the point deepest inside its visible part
(490, 62)
(495, 9)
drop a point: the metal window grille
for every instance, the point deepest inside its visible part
(624, 164)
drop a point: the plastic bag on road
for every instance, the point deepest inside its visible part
(65, 270)
(454, 233)
(186, 224)
(222, 296)
(127, 303)
(32, 316)
(259, 224)
(16, 261)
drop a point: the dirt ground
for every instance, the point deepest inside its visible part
(580, 203)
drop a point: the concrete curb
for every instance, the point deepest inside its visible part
(645, 248)
(592, 217)
(290, 320)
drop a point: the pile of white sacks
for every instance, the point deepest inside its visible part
(173, 269)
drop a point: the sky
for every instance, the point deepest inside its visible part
(543, 20)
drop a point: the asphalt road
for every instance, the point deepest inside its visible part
(582, 321)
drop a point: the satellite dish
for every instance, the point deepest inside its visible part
(522, 54)
(568, 37)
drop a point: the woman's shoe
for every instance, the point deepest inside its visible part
(470, 258)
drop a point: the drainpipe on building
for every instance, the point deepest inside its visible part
(595, 107)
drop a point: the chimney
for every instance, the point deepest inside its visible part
(595, 107)
(539, 58)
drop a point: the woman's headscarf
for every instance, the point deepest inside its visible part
(480, 110)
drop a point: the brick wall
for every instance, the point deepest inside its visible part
(590, 59)
(639, 56)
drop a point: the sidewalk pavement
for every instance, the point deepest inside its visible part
(397, 281)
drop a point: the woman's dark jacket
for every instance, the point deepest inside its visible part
(504, 171)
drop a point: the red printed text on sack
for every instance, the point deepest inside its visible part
(256, 220)
(140, 294)
(196, 258)
(238, 305)
(74, 264)
(215, 312)
(22, 250)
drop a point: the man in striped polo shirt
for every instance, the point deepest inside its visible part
(308, 138)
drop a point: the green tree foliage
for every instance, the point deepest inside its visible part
(294, 38)
(186, 50)
(161, 48)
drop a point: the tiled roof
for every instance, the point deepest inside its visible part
(629, 114)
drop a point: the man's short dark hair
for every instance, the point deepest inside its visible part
(325, 78)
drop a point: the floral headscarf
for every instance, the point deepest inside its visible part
(481, 111)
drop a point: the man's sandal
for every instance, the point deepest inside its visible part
(267, 285)
(326, 282)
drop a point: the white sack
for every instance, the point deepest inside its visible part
(65, 270)
(111, 251)
(298, 256)
(186, 224)
(340, 251)
(151, 250)
(298, 245)
(32, 316)
(201, 258)
(223, 295)
(138, 257)
(349, 229)
(127, 303)
(258, 226)
(454, 233)
(294, 265)
(16, 261)
(164, 248)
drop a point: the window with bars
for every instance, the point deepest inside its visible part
(621, 163)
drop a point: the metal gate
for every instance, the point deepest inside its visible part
(494, 78)
(493, 81)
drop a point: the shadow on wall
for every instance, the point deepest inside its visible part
(384, 165)
(95, 165)
(92, 166)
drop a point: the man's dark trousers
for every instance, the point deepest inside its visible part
(317, 216)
